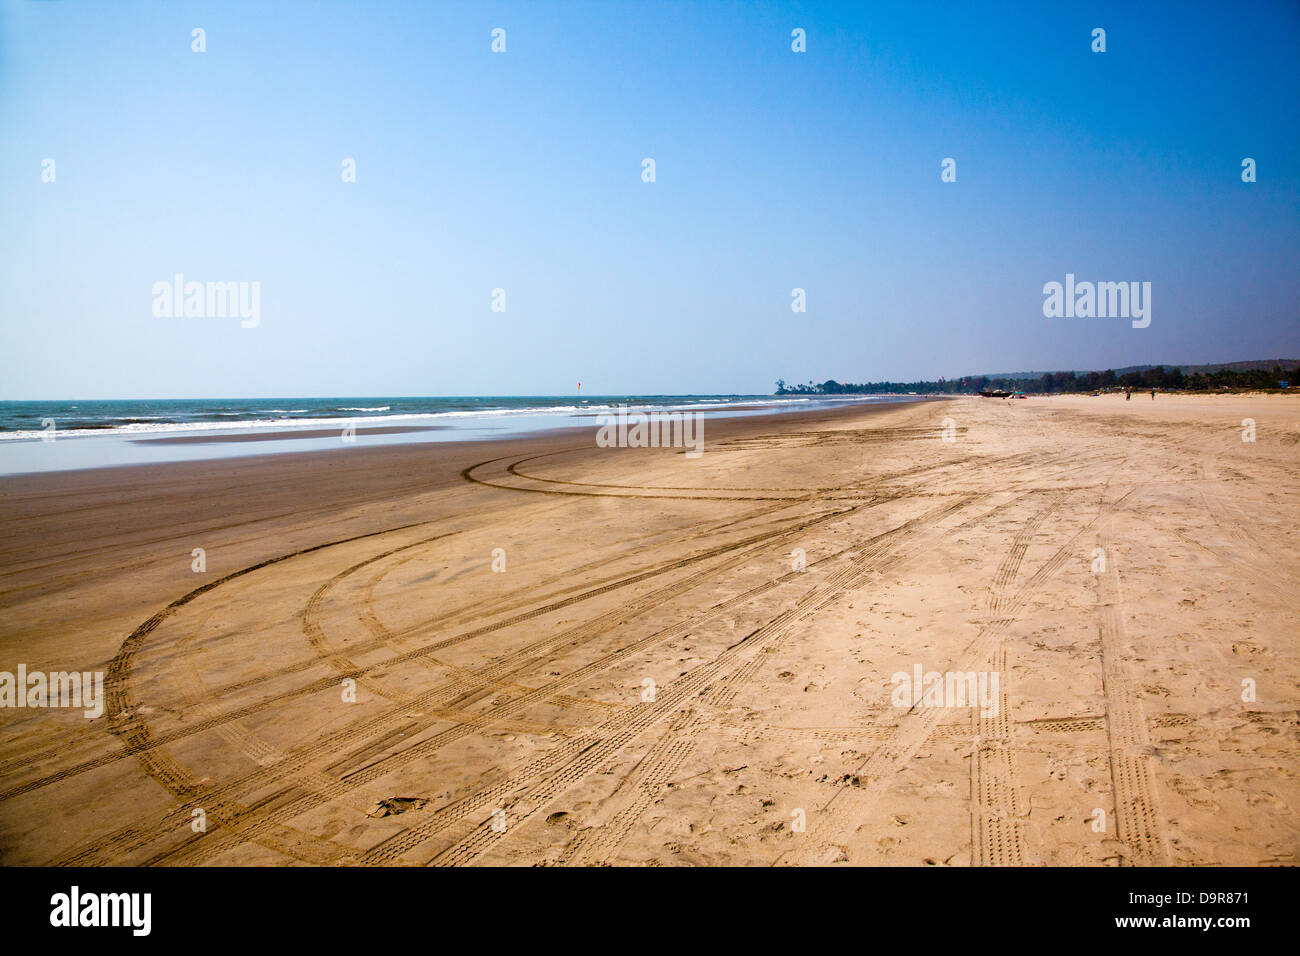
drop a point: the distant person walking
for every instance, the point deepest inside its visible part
(1153, 394)
(1128, 394)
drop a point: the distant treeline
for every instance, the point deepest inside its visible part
(1062, 382)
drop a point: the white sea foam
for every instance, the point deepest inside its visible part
(138, 427)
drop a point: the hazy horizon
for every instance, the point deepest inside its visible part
(1286, 362)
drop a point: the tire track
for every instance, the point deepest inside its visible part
(829, 832)
(127, 724)
(553, 601)
(1138, 822)
(595, 845)
(817, 520)
(637, 491)
(125, 711)
(90, 733)
(1010, 566)
(447, 694)
(370, 620)
(556, 771)
(997, 804)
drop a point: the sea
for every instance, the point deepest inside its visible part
(39, 436)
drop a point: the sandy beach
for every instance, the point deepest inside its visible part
(538, 651)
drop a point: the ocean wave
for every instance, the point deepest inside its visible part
(139, 426)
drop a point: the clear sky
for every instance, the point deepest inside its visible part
(522, 170)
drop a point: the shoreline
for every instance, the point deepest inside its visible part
(329, 440)
(501, 605)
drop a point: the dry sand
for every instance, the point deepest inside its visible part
(516, 708)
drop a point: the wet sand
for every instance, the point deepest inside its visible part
(675, 661)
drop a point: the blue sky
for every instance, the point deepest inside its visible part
(522, 171)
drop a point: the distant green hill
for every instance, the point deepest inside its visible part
(1256, 365)
(1258, 374)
